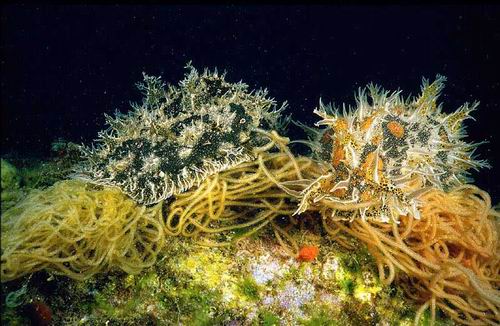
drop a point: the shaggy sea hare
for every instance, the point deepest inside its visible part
(385, 152)
(179, 135)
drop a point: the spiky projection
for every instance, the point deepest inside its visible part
(387, 150)
(179, 135)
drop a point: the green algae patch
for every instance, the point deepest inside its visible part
(10, 175)
(268, 318)
(249, 288)
(320, 316)
(11, 191)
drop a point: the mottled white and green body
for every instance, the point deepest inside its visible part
(179, 136)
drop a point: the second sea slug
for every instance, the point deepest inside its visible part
(387, 151)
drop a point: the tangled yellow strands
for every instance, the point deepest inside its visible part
(78, 230)
(241, 200)
(450, 257)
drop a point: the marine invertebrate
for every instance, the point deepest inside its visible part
(308, 253)
(388, 150)
(395, 174)
(179, 136)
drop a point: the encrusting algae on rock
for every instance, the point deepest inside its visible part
(253, 283)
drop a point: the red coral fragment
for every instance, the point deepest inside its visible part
(308, 253)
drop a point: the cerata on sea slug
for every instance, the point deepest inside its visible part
(179, 135)
(382, 154)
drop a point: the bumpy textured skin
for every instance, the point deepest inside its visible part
(179, 135)
(373, 152)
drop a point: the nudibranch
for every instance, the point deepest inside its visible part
(382, 154)
(179, 135)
